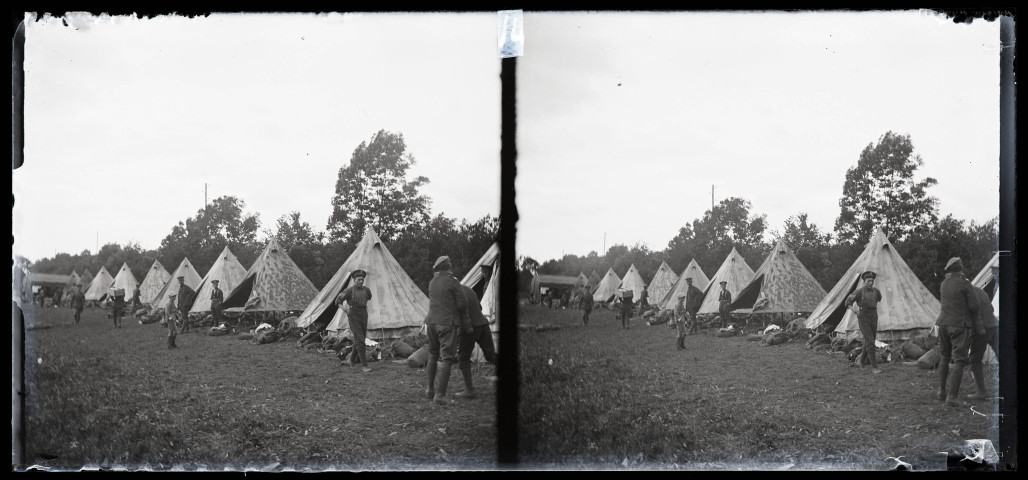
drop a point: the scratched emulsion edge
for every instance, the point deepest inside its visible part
(17, 319)
(508, 388)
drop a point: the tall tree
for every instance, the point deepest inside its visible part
(373, 189)
(709, 239)
(810, 245)
(203, 236)
(881, 191)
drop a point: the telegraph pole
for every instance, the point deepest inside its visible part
(205, 196)
(712, 198)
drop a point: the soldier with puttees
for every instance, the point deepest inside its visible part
(866, 298)
(957, 319)
(446, 318)
(357, 297)
(185, 301)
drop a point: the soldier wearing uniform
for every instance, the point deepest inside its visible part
(357, 296)
(724, 299)
(446, 317)
(626, 309)
(587, 305)
(185, 300)
(136, 303)
(480, 335)
(171, 312)
(643, 303)
(118, 306)
(217, 298)
(987, 321)
(78, 301)
(956, 320)
(679, 319)
(693, 299)
(866, 298)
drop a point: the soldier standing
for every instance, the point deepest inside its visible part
(357, 296)
(446, 317)
(956, 320)
(185, 300)
(480, 335)
(866, 298)
(118, 306)
(217, 297)
(693, 299)
(171, 315)
(986, 322)
(626, 309)
(587, 306)
(136, 303)
(643, 303)
(724, 299)
(78, 301)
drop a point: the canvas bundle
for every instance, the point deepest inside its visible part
(415, 340)
(267, 336)
(307, 339)
(930, 359)
(419, 358)
(401, 349)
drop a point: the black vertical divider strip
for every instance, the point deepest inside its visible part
(508, 388)
(1007, 246)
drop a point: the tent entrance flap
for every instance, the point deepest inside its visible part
(241, 294)
(748, 297)
(835, 317)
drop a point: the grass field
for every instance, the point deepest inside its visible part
(602, 397)
(96, 396)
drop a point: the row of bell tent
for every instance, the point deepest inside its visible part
(275, 283)
(783, 285)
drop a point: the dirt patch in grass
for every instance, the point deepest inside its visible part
(599, 396)
(101, 397)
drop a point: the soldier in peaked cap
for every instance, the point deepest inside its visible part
(957, 315)
(679, 319)
(693, 299)
(866, 298)
(643, 297)
(78, 301)
(217, 298)
(357, 297)
(185, 301)
(446, 317)
(587, 304)
(724, 299)
(171, 315)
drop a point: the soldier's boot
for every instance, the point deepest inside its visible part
(469, 384)
(442, 379)
(173, 341)
(169, 342)
(979, 383)
(943, 378)
(956, 374)
(431, 368)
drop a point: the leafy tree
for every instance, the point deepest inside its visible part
(203, 236)
(373, 190)
(417, 248)
(291, 231)
(926, 250)
(881, 190)
(710, 239)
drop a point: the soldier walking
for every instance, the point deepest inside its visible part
(78, 301)
(956, 321)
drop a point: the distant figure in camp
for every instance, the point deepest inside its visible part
(78, 301)
(136, 303)
(626, 309)
(57, 297)
(446, 317)
(217, 297)
(985, 322)
(587, 307)
(693, 299)
(480, 335)
(643, 304)
(356, 296)
(957, 319)
(679, 319)
(724, 299)
(171, 312)
(866, 299)
(118, 306)
(566, 299)
(185, 300)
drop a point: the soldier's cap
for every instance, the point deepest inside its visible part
(681, 296)
(868, 274)
(172, 295)
(954, 264)
(359, 274)
(181, 277)
(689, 279)
(723, 282)
(442, 263)
(215, 281)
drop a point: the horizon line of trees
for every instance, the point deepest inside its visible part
(372, 190)
(880, 191)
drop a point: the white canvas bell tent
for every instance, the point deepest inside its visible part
(699, 280)
(488, 290)
(98, 287)
(663, 282)
(227, 271)
(634, 282)
(272, 284)
(125, 280)
(607, 288)
(192, 279)
(156, 278)
(907, 308)
(397, 305)
(781, 285)
(986, 280)
(733, 270)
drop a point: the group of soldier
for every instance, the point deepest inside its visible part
(179, 303)
(455, 324)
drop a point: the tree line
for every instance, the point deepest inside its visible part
(880, 190)
(371, 190)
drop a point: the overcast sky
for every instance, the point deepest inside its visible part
(126, 119)
(625, 120)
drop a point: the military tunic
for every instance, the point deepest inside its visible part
(357, 317)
